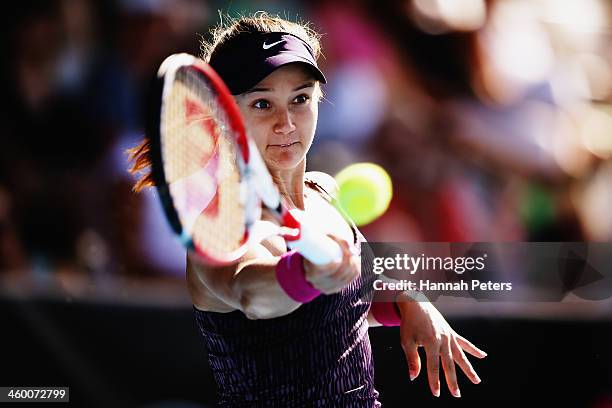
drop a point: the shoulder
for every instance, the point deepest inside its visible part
(324, 181)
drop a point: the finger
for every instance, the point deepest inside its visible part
(470, 348)
(449, 369)
(336, 284)
(343, 274)
(340, 279)
(348, 271)
(346, 252)
(325, 283)
(412, 358)
(433, 368)
(463, 362)
(335, 276)
(317, 273)
(329, 284)
(351, 271)
(344, 245)
(340, 241)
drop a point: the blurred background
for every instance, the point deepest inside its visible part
(493, 118)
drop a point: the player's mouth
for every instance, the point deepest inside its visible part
(283, 145)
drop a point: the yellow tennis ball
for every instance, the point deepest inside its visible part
(365, 191)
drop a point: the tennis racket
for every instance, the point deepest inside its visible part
(210, 176)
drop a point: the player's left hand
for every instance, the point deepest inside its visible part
(423, 325)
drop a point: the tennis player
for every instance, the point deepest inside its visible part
(279, 330)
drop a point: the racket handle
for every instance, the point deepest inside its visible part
(318, 248)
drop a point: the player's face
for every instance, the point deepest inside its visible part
(280, 114)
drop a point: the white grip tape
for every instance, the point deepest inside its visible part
(319, 250)
(313, 245)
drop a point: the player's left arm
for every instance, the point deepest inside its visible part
(422, 325)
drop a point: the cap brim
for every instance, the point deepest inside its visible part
(285, 58)
(275, 62)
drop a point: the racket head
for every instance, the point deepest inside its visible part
(199, 152)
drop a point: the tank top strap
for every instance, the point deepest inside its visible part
(320, 189)
(357, 237)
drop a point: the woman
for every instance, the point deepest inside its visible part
(279, 330)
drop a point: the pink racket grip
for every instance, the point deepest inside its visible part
(318, 248)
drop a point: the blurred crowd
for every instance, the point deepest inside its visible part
(493, 118)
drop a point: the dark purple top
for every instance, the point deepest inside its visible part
(317, 356)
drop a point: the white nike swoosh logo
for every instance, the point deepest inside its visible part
(268, 46)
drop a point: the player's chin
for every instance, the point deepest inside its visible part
(285, 157)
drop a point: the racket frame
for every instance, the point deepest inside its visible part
(160, 88)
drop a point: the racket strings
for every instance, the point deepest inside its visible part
(201, 168)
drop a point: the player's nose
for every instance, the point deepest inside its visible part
(284, 122)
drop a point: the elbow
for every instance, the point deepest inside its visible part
(250, 309)
(258, 309)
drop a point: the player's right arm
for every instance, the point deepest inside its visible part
(251, 285)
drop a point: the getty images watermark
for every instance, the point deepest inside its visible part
(525, 271)
(412, 264)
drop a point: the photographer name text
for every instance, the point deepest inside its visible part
(427, 285)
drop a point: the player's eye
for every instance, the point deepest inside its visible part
(261, 104)
(301, 99)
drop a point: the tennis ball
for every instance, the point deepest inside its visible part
(364, 193)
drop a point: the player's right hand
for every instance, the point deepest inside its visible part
(334, 276)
